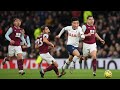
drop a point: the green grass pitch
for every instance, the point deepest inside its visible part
(77, 74)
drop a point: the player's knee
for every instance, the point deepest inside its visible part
(79, 56)
(10, 57)
(19, 56)
(55, 63)
(85, 57)
(94, 57)
(70, 59)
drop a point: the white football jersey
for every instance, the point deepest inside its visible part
(73, 35)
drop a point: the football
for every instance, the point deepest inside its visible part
(107, 74)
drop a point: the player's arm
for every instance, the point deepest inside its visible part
(28, 43)
(61, 32)
(99, 38)
(47, 42)
(10, 30)
(82, 34)
(84, 29)
(23, 39)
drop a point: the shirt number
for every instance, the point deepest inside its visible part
(18, 35)
(92, 31)
(39, 42)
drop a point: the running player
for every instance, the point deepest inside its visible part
(14, 36)
(74, 34)
(43, 43)
(89, 43)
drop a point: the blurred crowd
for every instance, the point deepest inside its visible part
(107, 22)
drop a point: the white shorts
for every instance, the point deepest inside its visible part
(88, 48)
(48, 58)
(14, 50)
(24, 55)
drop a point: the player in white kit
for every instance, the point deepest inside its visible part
(74, 34)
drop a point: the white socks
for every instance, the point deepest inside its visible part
(67, 63)
(74, 60)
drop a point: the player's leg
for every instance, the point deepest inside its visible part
(19, 56)
(75, 58)
(24, 55)
(8, 58)
(55, 68)
(42, 71)
(94, 61)
(93, 54)
(72, 64)
(72, 52)
(66, 64)
(86, 51)
(10, 54)
(77, 54)
(52, 64)
(20, 63)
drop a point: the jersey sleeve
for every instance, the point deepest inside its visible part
(28, 41)
(23, 39)
(95, 29)
(83, 28)
(10, 30)
(45, 36)
(81, 31)
(62, 31)
(67, 28)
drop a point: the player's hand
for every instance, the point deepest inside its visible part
(12, 42)
(82, 36)
(89, 34)
(24, 46)
(52, 45)
(102, 41)
(57, 36)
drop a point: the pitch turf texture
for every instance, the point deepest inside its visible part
(77, 74)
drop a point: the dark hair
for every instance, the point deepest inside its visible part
(43, 27)
(74, 19)
(89, 16)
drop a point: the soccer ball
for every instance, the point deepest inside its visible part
(108, 74)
